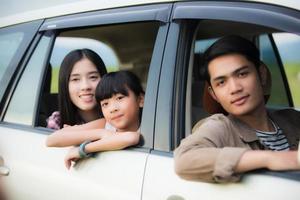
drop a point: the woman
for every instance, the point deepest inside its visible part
(80, 72)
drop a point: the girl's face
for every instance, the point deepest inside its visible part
(83, 81)
(123, 111)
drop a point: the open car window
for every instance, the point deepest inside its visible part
(121, 47)
(277, 50)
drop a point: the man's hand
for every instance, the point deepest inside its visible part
(72, 156)
(284, 160)
(272, 160)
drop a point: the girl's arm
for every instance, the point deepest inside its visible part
(113, 141)
(95, 124)
(109, 141)
(75, 135)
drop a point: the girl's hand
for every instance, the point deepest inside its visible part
(72, 156)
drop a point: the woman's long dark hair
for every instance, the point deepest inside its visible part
(68, 111)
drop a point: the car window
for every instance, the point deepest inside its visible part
(288, 46)
(121, 47)
(9, 44)
(14, 40)
(22, 105)
(272, 54)
(279, 96)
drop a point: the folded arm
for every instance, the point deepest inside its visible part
(109, 141)
(75, 135)
(272, 160)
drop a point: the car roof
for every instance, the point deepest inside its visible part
(92, 5)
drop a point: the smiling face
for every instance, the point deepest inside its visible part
(82, 84)
(235, 84)
(123, 111)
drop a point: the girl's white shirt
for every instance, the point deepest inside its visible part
(110, 127)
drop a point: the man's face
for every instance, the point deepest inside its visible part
(235, 84)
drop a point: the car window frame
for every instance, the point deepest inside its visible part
(160, 13)
(289, 21)
(282, 71)
(30, 30)
(274, 16)
(19, 77)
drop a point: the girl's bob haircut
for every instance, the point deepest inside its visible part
(118, 82)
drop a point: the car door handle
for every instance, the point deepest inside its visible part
(4, 171)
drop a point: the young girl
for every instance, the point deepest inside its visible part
(121, 98)
(80, 72)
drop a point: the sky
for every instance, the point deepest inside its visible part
(9, 7)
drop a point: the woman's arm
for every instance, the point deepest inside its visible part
(75, 135)
(113, 141)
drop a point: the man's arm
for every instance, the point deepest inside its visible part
(272, 160)
(206, 154)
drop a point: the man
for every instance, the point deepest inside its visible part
(249, 137)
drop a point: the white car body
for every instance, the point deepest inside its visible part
(144, 172)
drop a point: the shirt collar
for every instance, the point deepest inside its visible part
(246, 133)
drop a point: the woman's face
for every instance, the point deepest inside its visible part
(83, 81)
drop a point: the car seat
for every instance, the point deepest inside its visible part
(198, 84)
(49, 101)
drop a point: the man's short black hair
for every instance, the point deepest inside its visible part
(230, 45)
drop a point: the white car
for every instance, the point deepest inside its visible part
(160, 41)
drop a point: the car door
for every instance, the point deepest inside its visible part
(194, 26)
(134, 38)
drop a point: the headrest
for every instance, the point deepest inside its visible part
(212, 106)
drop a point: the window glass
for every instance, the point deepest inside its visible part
(202, 45)
(278, 96)
(9, 44)
(289, 47)
(21, 107)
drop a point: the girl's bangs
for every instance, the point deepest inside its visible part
(109, 87)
